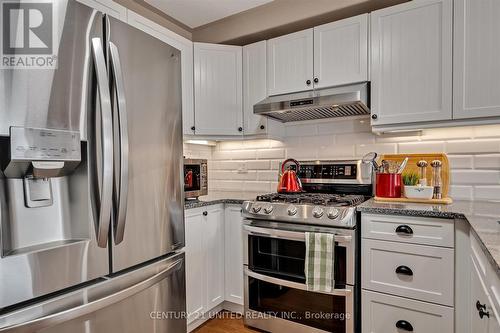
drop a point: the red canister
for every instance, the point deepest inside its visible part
(388, 185)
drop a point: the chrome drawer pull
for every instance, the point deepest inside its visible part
(404, 325)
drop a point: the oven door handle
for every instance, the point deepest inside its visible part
(295, 285)
(290, 235)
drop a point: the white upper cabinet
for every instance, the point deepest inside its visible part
(411, 62)
(341, 52)
(218, 89)
(476, 59)
(108, 7)
(254, 87)
(186, 48)
(290, 63)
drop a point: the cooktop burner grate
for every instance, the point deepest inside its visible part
(319, 199)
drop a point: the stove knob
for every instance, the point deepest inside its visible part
(292, 210)
(268, 209)
(317, 212)
(256, 209)
(333, 213)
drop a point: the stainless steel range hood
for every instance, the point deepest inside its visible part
(344, 101)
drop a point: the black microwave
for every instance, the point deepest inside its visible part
(195, 178)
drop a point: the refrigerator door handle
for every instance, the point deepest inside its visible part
(41, 323)
(121, 159)
(106, 184)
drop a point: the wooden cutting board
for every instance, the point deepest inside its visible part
(412, 167)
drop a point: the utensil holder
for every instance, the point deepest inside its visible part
(388, 185)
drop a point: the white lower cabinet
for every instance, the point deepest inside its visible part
(204, 259)
(483, 311)
(383, 313)
(195, 265)
(409, 270)
(407, 274)
(214, 259)
(234, 254)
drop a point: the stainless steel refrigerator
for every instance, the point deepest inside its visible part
(91, 201)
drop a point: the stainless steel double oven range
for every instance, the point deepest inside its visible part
(276, 297)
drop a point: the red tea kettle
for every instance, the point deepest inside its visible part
(289, 181)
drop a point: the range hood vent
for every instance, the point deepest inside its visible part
(336, 102)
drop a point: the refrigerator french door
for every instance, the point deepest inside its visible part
(97, 241)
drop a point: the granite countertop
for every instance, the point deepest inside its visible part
(190, 204)
(484, 218)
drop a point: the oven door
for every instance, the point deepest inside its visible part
(276, 297)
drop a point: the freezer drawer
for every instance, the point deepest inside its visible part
(149, 299)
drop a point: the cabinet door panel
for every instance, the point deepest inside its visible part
(290, 63)
(195, 263)
(411, 72)
(341, 52)
(213, 237)
(234, 254)
(254, 86)
(217, 89)
(476, 66)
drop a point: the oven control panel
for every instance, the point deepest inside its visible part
(335, 172)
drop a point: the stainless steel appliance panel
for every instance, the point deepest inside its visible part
(48, 248)
(154, 221)
(48, 98)
(149, 299)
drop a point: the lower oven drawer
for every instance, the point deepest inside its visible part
(383, 313)
(277, 305)
(421, 272)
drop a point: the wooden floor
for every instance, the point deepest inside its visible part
(224, 323)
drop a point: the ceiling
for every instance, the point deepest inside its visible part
(195, 13)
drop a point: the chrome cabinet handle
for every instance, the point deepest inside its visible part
(294, 285)
(37, 324)
(105, 185)
(121, 159)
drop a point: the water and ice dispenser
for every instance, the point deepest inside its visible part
(44, 189)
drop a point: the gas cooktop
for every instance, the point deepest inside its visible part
(320, 199)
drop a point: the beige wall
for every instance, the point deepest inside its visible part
(281, 17)
(150, 12)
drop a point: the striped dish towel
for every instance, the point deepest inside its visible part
(319, 262)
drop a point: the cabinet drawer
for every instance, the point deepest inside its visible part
(406, 229)
(421, 272)
(381, 313)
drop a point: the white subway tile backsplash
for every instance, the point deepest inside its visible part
(460, 161)
(248, 167)
(421, 147)
(473, 177)
(336, 151)
(380, 148)
(487, 193)
(459, 192)
(487, 161)
(271, 153)
(473, 146)
(271, 175)
(258, 165)
(301, 130)
(257, 186)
